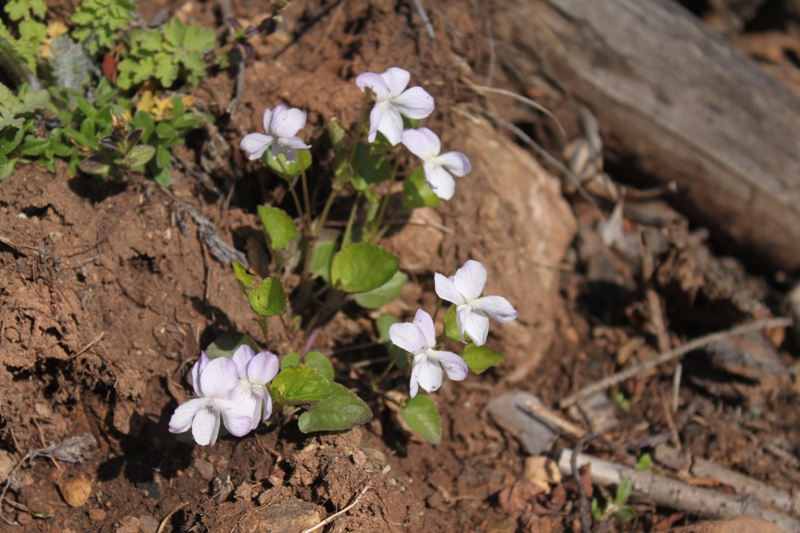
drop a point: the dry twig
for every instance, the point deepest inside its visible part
(336, 515)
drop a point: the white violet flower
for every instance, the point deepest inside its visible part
(255, 371)
(393, 100)
(213, 381)
(426, 145)
(280, 127)
(464, 290)
(419, 339)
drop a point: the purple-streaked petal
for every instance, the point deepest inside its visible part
(295, 142)
(288, 124)
(263, 368)
(423, 143)
(194, 374)
(205, 426)
(288, 152)
(414, 103)
(425, 323)
(391, 125)
(430, 374)
(413, 386)
(278, 115)
(374, 82)
(181, 419)
(267, 120)
(409, 337)
(470, 280)
(396, 79)
(440, 181)
(254, 144)
(267, 412)
(446, 289)
(496, 307)
(453, 364)
(474, 323)
(455, 162)
(238, 418)
(241, 356)
(218, 378)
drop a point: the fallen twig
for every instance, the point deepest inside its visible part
(336, 515)
(425, 20)
(663, 491)
(671, 355)
(171, 513)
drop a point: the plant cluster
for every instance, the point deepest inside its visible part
(238, 386)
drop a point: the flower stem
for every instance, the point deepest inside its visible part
(325, 211)
(385, 199)
(438, 307)
(361, 122)
(349, 229)
(388, 368)
(309, 225)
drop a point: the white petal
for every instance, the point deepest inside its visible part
(246, 403)
(413, 387)
(453, 364)
(496, 307)
(455, 162)
(374, 82)
(446, 289)
(295, 142)
(267, 412)
(474, 323)
(409, 337)
(391, 125)
(396, 79)
(423, 143)
(375, 118)
(414, 103)
(425, 323)
(254, 144)
(197, 368)
(440, 181)
(288, 124)
(280, 148)
(430, 374)
(470, 280)
(267, 120)
(238, 418)
(241, 357)
(263, 368)
(218, 378)
(205, 427)
(182, 417)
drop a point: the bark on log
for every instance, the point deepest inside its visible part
(677, 102)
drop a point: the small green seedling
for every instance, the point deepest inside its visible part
(617, 507)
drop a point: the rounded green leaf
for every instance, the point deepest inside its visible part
(384, 294)
(288, 170)
(321, 364)
(290, 359)
(422, 415)
(245, 279)
(278, 225)
(322, 255)
(363, 267)
(139, 155)
(417, 192)
(479, 358)
(228, 343)
(369, 169)
(451, 326)
(268, 299)
(382, 325)
(343, 410)
(300, 384)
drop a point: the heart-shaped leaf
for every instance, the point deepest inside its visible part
(269, 298)
(343, 410)
(479, 358)
(279, 226)
(228, 343)
(384, 294)
(422, 415)
(321, 364)
(285, 169)
(295, 385)
(417, 192)
(362, 267)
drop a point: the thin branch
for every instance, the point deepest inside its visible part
(334, 516)
(425, 19)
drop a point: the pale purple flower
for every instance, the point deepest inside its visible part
(419, 339)
(255, 371)
(393, 100)
(464, 290)
(213, 381)
(426, 145)
(281, 127)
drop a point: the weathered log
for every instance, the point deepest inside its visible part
(677, 102)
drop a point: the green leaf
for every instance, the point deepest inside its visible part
(597, 513)
(246, 281)
(165, 131)
(290, 359)
(479, 358)
(6, 167)
(362, 267)
(422, 415)
(166, 70)
(97, 164)
(384, 294)
(279, 226)
(226, 345)
(369, 169)
(177, 108)
(451, 326)
(336, 132)
(199, 39)
(144, 120)
(164, 178)
(626, 512)
(139, 155)
(322, 255)
(174, 31)
(287, 170)
(382, 325)
(300, 384)
(417, 192)
(269, 298)
(644, 462)
(162, 156)
(623, 491)
(321, 364)
(343, 410)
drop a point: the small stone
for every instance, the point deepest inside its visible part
(149, 523)
(129, 524)
(76, 491)
(6, 465)
(288, 516)
(204, 468)
(97, 515)
(24, 519)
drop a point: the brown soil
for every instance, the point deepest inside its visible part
(107, 296)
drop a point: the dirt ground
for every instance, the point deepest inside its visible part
(107, 296)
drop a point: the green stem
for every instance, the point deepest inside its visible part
(361, 121)
(349, 229)
(385, 199)
(297, 202)
(306, 198)
(325, 211)
(388, 368)
(438, 307)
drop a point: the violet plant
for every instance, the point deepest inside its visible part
(239, 387)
